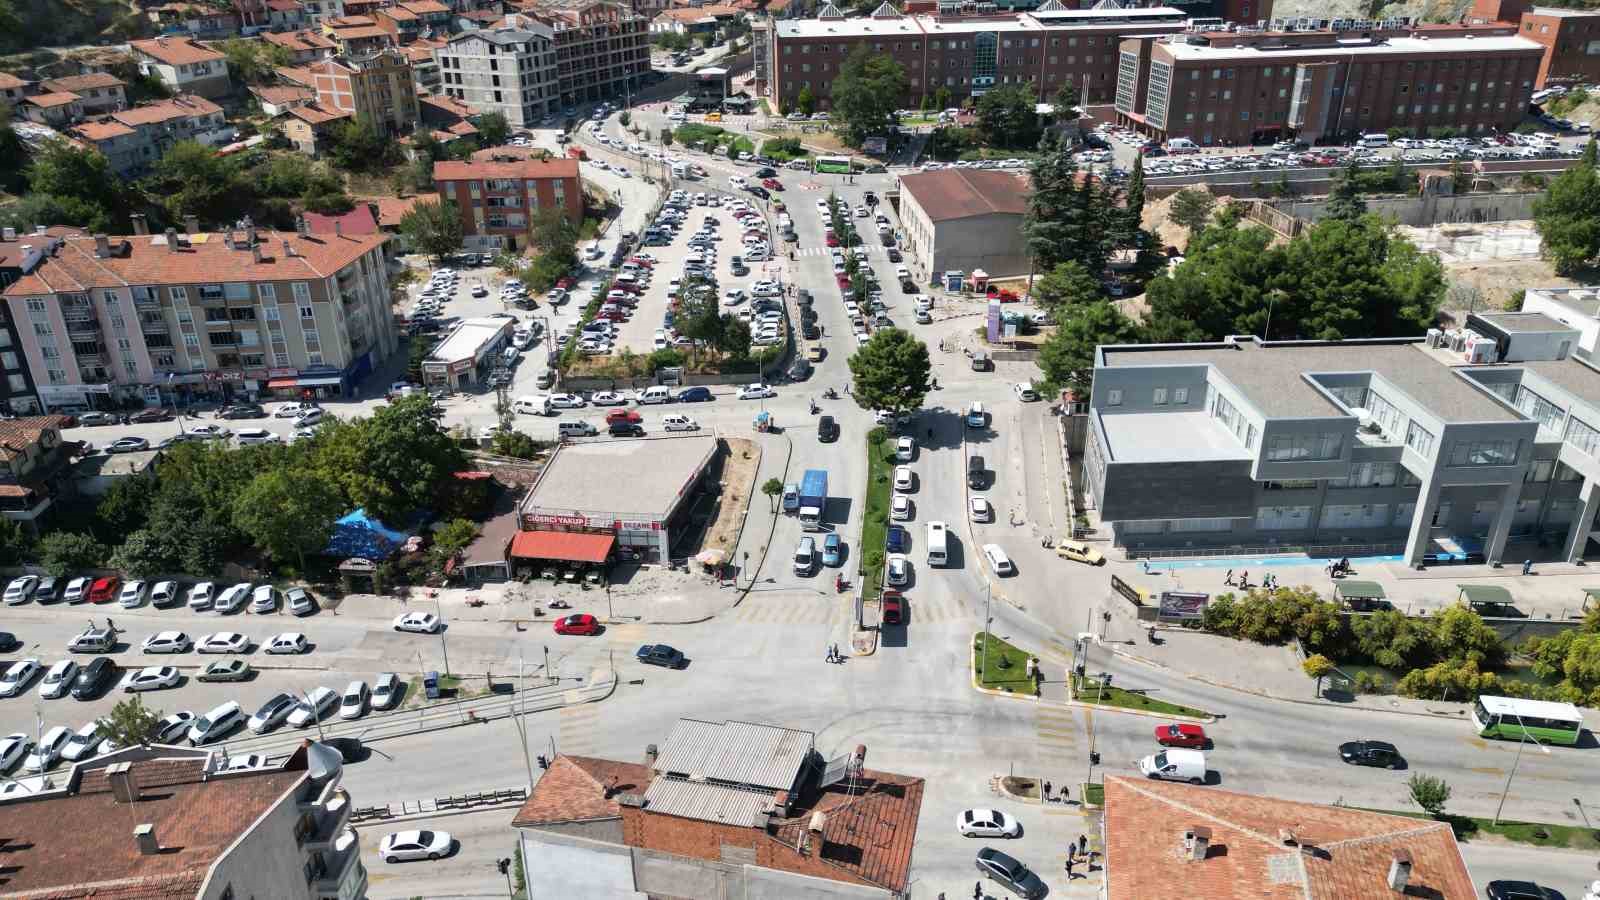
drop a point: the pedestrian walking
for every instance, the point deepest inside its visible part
(1047, 792)
(1244, 580)
(1228, 578)
(1064, 796)
(1072, 852)
(977, 890)
(1069, 868)
(1083, 845)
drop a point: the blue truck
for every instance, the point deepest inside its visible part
(813, 498)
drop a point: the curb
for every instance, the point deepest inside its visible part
(1243, 690)
(870, 636)
(772, 530)
(972, 672)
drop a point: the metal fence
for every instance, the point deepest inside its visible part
(439, 804)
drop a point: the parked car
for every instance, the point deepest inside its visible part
(216, 724)
(13, 749)
(167, 642)
(1078, 551)
(223, 642)
(299, 601)
(84, 743)
(987, 823)
(404, 846)
(127, 445)
(104, 590)
(1517, 890)
(48, 590)
(1013, 875)
(77, 590)
(150, 678)
(288, 642)
(93, 678)
(20, 590)
(313, 707)
(57, 680)
(234, 669)
(201, 596)
(264, 599)
(387, 689)
(353, 704)
(272, 713)
(133, 594)
(47, 752)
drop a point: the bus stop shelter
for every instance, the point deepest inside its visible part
(1488, 599)
(1361, 596)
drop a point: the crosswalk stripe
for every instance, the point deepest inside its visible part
(578, 726)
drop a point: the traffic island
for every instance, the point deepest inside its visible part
(1002, 669)
(875, 520)
(1095, 692)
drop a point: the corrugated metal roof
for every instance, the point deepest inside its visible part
(708, 802)
(738, 752)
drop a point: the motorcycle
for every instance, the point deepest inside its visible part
(830, 394)
(814, 407)
(560, 604)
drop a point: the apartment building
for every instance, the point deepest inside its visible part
(183, 65)
(377, 87)
(12, 89)
(422, 53)
(19, 251)
(35, 466)
(97, 92)
(357, 35)
(1444, 447)
(133, 139)
(1570, 37)
(171, 318)
(1253, 85)
(499, 197)
(171, 822)
(509, 69)
(602, 47)
(964, 54)
(411, 19)
(193, 20)
(307, 45)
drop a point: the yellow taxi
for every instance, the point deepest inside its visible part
(1078, 551)
(714, 117)
(814, 353)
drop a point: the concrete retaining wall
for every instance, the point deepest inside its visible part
(1431, 210)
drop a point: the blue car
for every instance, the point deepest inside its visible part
(831, 547)
(697, 394)
(899, 540)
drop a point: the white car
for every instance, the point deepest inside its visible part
(905, 449)
(311, 417)
(418, 622)
(756, 391)
(987, 823)
(133, 594)
(288, 642)
(300, 601)
(264, 599)
(84, 743)
(77, 588)
(172, 728)
(20, 589)
(57, 679)
(167, 642)
(202, 595)
(900, 507)
(13, 747)
(18, 676)
(409, 845)
(151, 678)
(216, 724)
(386, 690)
(607, 398)
(981, 510)
(903, 478)
(48, 750)
(223, 642)
(679, 423)
(896, 570)
(163, 592)
(1024, 392)
(354, 703)
(244, 763)
(566, 401)
(233, 598)
(766, 289)
(249, 436)
(209, 432)
(313, 707)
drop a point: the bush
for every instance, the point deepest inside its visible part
(1371, 683)
(664, 359)
(783, 149)
(1275, 617)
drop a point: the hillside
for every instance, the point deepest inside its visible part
(44, 24)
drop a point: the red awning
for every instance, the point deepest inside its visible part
(277, 383)
(571, 546)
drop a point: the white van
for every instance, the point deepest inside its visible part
(680, 170)
(999, 562)
(679, 423)
(1374, 140)
(805, 556)
(659, 393)
(533, 406)
(216, 724)
(1181, 145)
(1175, 764)
(576, 429)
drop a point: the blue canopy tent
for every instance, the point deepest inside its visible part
(360, 535)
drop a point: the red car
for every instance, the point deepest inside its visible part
(565, 284)
(893, 608)
(580, 623)
(631, 287)
(1181, 736)
(612, 315)
(833, 241)
(623, 415)
(641, 262)
(104, 590)
(772, 184)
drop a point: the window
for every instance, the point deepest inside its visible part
(302, 292)
(17, 383)
(1113, 398)
(1304, 447)
(1180, 396)
(1484, 453)
(1160, 397)
(1582, 436)
(1368, 475)
(1369, 515)
(1540, 471)
(1283, 518)
(1535, 407)
(307, 312)
(267, 292)
(1419, 439)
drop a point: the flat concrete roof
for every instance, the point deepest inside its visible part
(1523, 322)
(464, 341)
(1396, 46)
(1272, 376)
(638, 477)
(1166, 436)
(1572, 374)
(1583, 301)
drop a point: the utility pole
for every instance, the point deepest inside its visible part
(1513, 773)
(521, 722)
(439, 611)
(983, 667)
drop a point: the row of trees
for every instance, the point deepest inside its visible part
(1568, 216)
(211, 503)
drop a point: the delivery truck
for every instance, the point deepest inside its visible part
(813, 498)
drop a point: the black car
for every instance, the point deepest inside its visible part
(93, 678)
(48, 590)
(1371, 753)
(894, 254)
(803, 297)
(1517, 890)
(765, 172)
(810, 331)
(153, 414)
(899, 540)
(1016, 877)
(827, 430)
(9, 642)
(660, 655)
(624, 428)
(759, 191)
(697, 394)
(241, 411)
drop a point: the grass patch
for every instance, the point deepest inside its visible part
(1093, 794)
(875, 524)
(1007, 667)
(416, 696)
(1089, 691)
(1537, 834)
(590, 229)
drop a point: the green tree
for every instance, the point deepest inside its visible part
(773, 488)
(392, 464)
(891, 372)
(735, 338)
(625, 118)
(1222, 287)
(1067, 217)
(193, 179)
(494, 130)
(1428, 792)
(433, 227)
(254, 62)
(698, 318)
(1065, 288)
(61, 552)
(80, 183)
(515, 444)
(451, 538)
(1581, 665)
(1347, 279)
(145, 553)
(358, 146)
(1191, 208)
(16, 544)
(1568, 216)
(1344, 201)
(1007, 117)
(1133, 199)
(1319, 667)
(1391, 639)
(1065, 102)
(866, 93)
(13, 155)
(1066, 359)
(125, 507)
(130, 723)
(806, 102)
(1459, 634)
(288, 512)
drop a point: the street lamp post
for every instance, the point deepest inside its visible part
(1513, 773)
(445, 645)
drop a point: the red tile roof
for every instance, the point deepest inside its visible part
(301, 75)
(571, 546)
(78, 83)
(392, 209)
(868, 834)
(205, 259)
(964, 193)
(180, 107)
(17, 434)
(49, 100)
(573, 789)
(424, 7)
(446, 107)
(176, 51)
(283, 94)
(1351, 850)
(357, 221)
(101, 131)
(456, 170)
(316, 115)
(359, 32)
(10, 82)
(196, 820)
(302, 41)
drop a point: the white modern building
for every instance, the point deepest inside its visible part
(509, 69)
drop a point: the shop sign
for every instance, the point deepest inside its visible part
(283, 373)
(552, 519)
(1181, 605)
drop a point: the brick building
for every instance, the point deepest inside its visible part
(173, 317)
(1250, 86)
(964, 55)
(377, 87)
(723, 806)
(499, 198)
(1571, 37)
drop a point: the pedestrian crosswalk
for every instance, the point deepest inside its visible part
(800, 610)
(872, 250)
(579, 729)
(1057, 734)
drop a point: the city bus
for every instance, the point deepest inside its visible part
(834, 165)
(1538, 720)
(938, 552)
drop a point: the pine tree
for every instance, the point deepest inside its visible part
(1133, 199)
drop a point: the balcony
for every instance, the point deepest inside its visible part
(335, 871)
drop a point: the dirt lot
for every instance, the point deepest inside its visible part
(738, 484)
